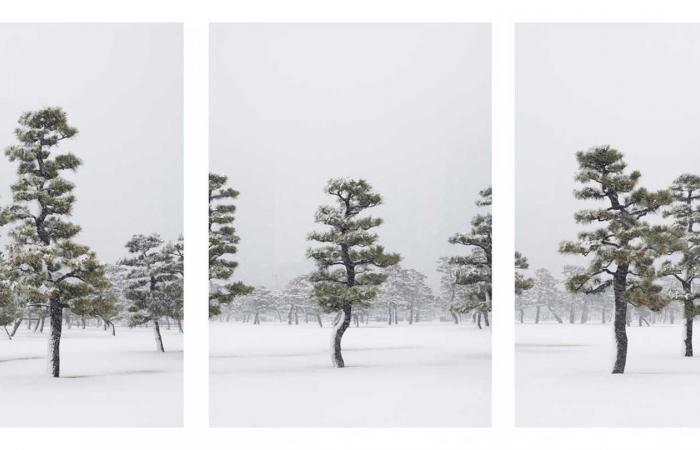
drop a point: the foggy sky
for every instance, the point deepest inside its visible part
(406, 107)
(121, 86)
(635, 87)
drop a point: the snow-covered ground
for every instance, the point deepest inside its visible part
(106, 381)
(428, 374)
(563, 377)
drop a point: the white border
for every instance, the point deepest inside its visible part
(196, 16)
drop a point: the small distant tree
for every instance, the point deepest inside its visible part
(223, 244)
(474, 270)
(685, 212)
(148, 280)
(257, 302)
(52, 269)
(624, 247)
(449, 290)
(345, 273)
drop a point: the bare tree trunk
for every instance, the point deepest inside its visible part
(337, 336)
(537, 314)
(478, 319)
(486, 319)
(556, 316)
(455, 317)
(522, 315)
(620, 324)
(689, 307)
(18, 322)
(318, 319)
(9, 336)
(179, 324)
(159, 338)
(54, 359)
(256, 319)
(584, 313)
(572, 313)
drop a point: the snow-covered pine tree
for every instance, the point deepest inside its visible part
(256, 303)
(522, 283)
(174, 253)
(148, 278)
(624, 248)
(10, 305)
(545, 293)
(685, 212)
(474, 270)
(345, 263)
(52, 269)
(223, 244)
(450, 292)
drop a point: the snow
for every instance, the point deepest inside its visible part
(106, 381)
(274, 374)
(563, 377)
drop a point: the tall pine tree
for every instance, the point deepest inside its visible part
(685, 211)
(53, 270)
(624, 247)
(345, 273)
(223, 242)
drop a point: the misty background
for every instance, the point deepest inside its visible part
(121, 85)
(405, 106)
(633, 86)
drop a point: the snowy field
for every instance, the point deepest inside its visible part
(428, 374)
(106, 381)
(563, 377)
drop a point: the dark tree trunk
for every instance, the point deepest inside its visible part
(18, 322)
(159, 338)
(620, 321)
(486, 319)
(56, 314)
(179, 324)
(689, 309)
(337, 336)
(478, 319)
(522, 315)
(318, 319)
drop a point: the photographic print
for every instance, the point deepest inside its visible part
(607, 223)
(91, 266)
(350, 225)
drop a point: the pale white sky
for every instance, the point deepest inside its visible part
(635, 87)
(121, 86)
(407, 107)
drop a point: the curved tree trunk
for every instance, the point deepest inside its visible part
(337, 336)
(318, 319)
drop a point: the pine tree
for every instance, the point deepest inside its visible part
(474, 270)
(149, 278)
(223, 242)
(345, 273)
(174, 255)
(685, 211)
(53, 270)
(522, 283)
(624, 248)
